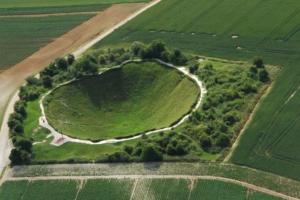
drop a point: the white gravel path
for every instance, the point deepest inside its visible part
(60, 138)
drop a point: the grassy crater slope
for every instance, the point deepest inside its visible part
(121, 102)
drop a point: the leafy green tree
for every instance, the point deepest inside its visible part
(19, 157)
(223, 141)
(47, 81)
(31, 80)
(24, 144)
(61, 63)
(70, 59)
(205, 141)
(178, 58)
(20, 108)
(151, 153)
(263, 75)
(193, 68)
(137, 47)
(258, 62)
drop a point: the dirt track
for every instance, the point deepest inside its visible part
(12, 78)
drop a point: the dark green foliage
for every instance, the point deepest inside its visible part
(223, 141)
(47, 81)
(205, 141)
(119, 157)
(137, 48)
(61, 63)
(231, 118)
(193, 68)
(151, 153)
(19, 108)
(31, 80)
(177, 57)
(23, 144)
(70, 59)
(19, 157)
(263, 75)
(258, 62)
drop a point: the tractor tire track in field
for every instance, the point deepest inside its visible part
(143, 177)
(79, 40)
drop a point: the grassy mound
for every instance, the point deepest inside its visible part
(121, 102)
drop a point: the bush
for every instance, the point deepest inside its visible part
(194, 68)
(205, 141)
(137, 48)
(23, 144)
(263, 75)
(258, 62)
(19, 107)
(47, 81)
(128, 149)
(223, 141)
(19, 157)
(70, 59)
(61, 63)
(31, 80)
(231, 118)
(151, 153)
(177, 58)
(119, 157)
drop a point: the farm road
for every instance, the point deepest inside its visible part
(140, 177)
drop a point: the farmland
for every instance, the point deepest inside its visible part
(239, 30)
(20, 37)
(121, 102)
(124, 189)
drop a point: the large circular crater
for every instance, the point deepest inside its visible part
(121, 102)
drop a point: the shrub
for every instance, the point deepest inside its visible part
(128, 149)
(119, 157)
(19, 157)
(61, 63)
(223, 141)
(137, 48)
(205, 141)
(263, 75)
(151, 153)
(177, 58)
(23, 144)
(70, 59)
(31, 80)
(47, 81)
(231, 118)
(19, 107)
(258, 62)
(193, 68)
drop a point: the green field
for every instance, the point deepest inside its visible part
(121, 102)
(265, 28)
(123, 189)
(20, 37)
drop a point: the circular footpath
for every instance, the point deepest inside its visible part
(60, 138)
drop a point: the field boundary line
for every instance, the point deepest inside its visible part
(51, 14)
(248, 122)
(141, 177)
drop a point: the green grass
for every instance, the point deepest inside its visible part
(266, 28)
(20, 37)
(121, 102)
(181, 189)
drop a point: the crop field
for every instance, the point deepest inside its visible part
(239, 30)
(20, 37)
(125, 189)
(18, 7)
(121, 102)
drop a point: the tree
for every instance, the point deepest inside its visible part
(205, 141)
(24, 144)
(223, 141)
(47, 81)
(258, 62)
(178, 58)
(150, 153)
(119, 157)
(193, 68)
(19, 157)
(61, 63)
(263, 75)
(20, 108)
(31, 80)
(70, 59)
(136, 48)
(230, 118)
